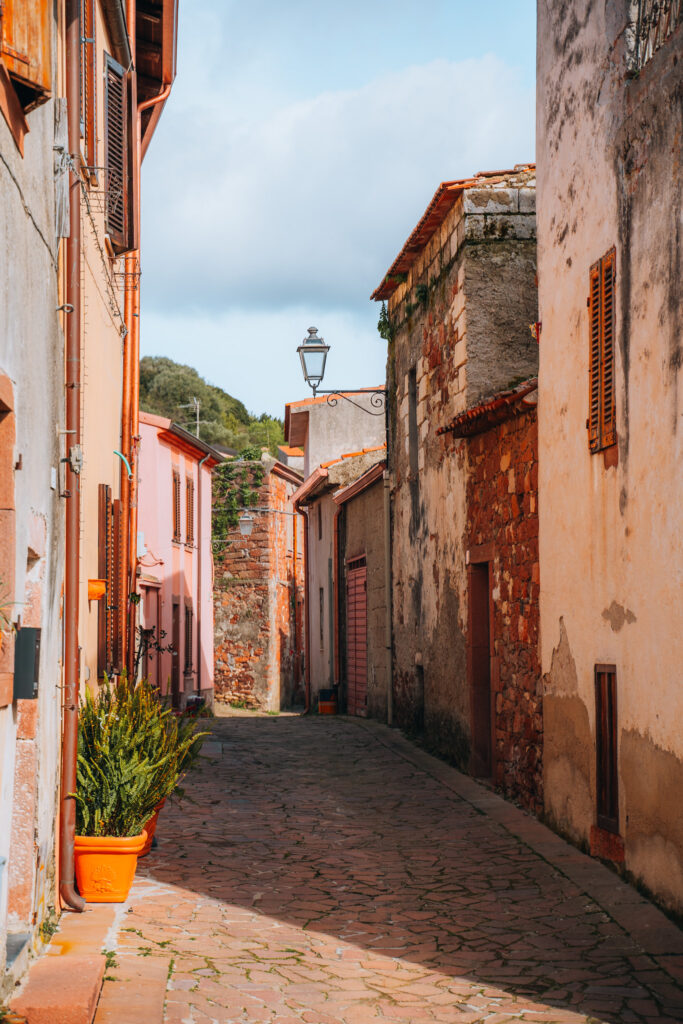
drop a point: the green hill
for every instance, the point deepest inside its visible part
(166, 386)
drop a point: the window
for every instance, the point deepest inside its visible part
(88, 79)
(606, 747)
(188, 639)
(189, 511)
(602, 413)
(176, 507)
(412, 420)
(119, 152)
(25, 62)
(322, 618)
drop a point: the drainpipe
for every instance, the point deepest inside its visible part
(199, 572)
(67, 820)
(387, 600)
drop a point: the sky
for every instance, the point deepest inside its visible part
(299, 147)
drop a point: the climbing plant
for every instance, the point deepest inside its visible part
(236, 486)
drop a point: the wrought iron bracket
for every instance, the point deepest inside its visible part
(378, 398)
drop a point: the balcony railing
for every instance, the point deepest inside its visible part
(655, 22)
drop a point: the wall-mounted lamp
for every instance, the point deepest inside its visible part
(313, 355)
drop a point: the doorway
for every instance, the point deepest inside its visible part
(357, 637)
(479, 666)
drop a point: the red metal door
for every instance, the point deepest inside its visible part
(357, 637)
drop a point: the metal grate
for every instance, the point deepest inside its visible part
(655, 22)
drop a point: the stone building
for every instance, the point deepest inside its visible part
(258, 587)
(328, 430)
(364, 594)
(327, 575)
(609, 134)
(461, 299)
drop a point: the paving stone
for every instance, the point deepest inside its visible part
(328, 872)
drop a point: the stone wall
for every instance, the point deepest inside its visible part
(258, 605)
(434, 313)
(502, 511)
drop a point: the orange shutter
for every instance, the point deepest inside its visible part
(594, 356)
(189, 511)
(608, 412)
(88, 80)
(601, 397)
(26, 48)
(176, 505)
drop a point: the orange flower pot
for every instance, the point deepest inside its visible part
(151, 827)
(105, 866)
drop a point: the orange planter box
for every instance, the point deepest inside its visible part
(105, 866)
(327, 707)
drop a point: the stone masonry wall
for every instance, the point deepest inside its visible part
(502, 510)
(476, 268)
(258, 588)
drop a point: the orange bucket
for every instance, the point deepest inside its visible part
(327, 707)
(105, 866)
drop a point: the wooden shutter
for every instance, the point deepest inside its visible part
(116, 154)
(104, 571)
(602, 406)
(26, 48)
(189, 511)
(606, 747)
(88, 82)
(119, 603)
(357, 637)
(176, 506)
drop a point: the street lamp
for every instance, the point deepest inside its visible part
(246, 524)
(313, 353)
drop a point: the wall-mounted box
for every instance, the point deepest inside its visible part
(26, 663)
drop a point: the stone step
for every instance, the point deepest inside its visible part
(134, 990)
(55, 995)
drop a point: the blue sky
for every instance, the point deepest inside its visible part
(299, 147)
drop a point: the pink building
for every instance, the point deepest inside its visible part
(175, 637)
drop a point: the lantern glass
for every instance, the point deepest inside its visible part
(246, 524)
(313, 354)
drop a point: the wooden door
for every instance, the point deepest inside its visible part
(175, 655)
(480, 670)
(357, 637)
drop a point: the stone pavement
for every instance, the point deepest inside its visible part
(328, 872)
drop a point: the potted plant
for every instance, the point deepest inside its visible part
(130, 757)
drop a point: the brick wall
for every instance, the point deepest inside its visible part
(502, 510)
(258, 587)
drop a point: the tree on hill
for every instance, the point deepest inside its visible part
(167, 386)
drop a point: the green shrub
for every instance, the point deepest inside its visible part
(132, 752)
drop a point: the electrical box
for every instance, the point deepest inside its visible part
(26, 663)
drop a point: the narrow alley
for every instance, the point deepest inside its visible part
(325, 870)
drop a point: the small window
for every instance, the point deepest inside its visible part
(88, 80)
(189, 511)
(601, 424)
(412, 420)
(606, 747)
(188, 639)
(176, 507)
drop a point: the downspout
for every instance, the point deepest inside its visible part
(199, 572)
(387, 600)
(125, 611)
(67, 821)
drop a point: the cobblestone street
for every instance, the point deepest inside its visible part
(329, 872)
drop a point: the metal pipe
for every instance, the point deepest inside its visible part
(159, 98)
(387, 600)
(67, 821)
(199, 572)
